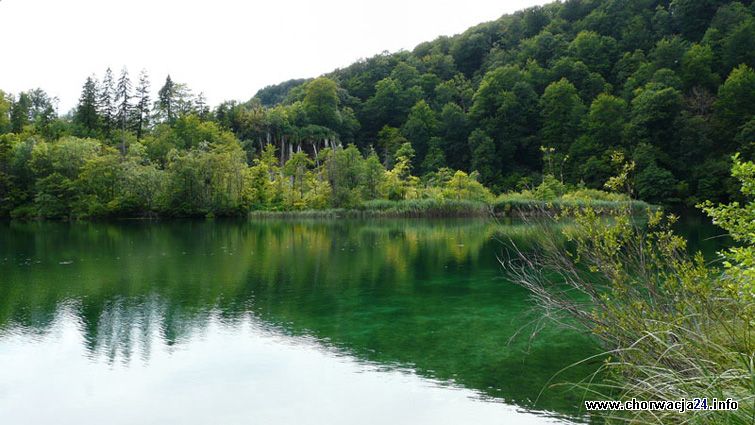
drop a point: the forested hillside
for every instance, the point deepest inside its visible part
(555, 90)
(671, 84)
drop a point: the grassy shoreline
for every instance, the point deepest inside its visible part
(430, 208)
(534, 207)
(419, 208)
(414, 208)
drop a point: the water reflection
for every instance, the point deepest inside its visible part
(134, 304)
(259, 376)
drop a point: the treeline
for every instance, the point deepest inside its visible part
(119, 154)
(669, 85)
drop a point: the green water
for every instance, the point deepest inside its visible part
(323, 321)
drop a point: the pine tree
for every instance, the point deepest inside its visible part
(6, 104)
(183, 100)
(166, 101)
(201, 104)
(141, 119)
(20, 111)
(86, 115)
(106, 106)
(122, 99)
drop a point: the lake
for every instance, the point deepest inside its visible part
(278, 322)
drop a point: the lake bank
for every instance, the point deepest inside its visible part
(415, 208)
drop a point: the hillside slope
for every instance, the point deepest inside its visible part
(670, 84)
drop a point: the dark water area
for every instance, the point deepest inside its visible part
(279, 321)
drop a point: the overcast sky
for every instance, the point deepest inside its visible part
(227, 49)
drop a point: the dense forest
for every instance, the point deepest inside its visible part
(668, 84)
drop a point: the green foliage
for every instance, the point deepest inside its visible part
(587, 195)
(435, 159)
(343, 168)
(166, 101)
(736, 99)
(483, 155)
(66, 156)
(206, 181)
(652, 181)
(321, 103)
(672, 325)
(261, 185)
(5, 113)
(425, 207)
(737, 46)
(399, 183)
(86, 116)
(99, 182)
(468, 50)
(373, 177)
(273, 95)
(693, 16)
(604, 127)
(496, 83)
(390, 104)
(466, 187)
(390, 140)
(654, 109)
(596, 51)
(453, 129)
(550, 189)
(738, 219)
(419, 128)
(19, 113)
(562, 111)
(54, 194)
(697, 68)
(141, 113)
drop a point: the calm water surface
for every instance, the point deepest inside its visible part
(275, 322)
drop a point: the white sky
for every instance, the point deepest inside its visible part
(227, 49)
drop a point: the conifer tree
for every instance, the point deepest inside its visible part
(106, 106)
(123, 99)
(166, 101)
(123, 107)
(6, 103)
(141, 112)
(86, 115)
(19, 113)
(201, 105)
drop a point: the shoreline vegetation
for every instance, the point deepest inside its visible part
(81, 178)
(419, 208)
(673, 325)
(343, 184)
(429, 208)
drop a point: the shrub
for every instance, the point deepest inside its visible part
(550, 189)
(673, 326)
(587, 195)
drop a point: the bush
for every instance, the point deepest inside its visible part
(673, 326)
(528, 202)
(550, 189)
(425, 208)
(464, 187)
(54, 195)
(587, 195)
(24, 212)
